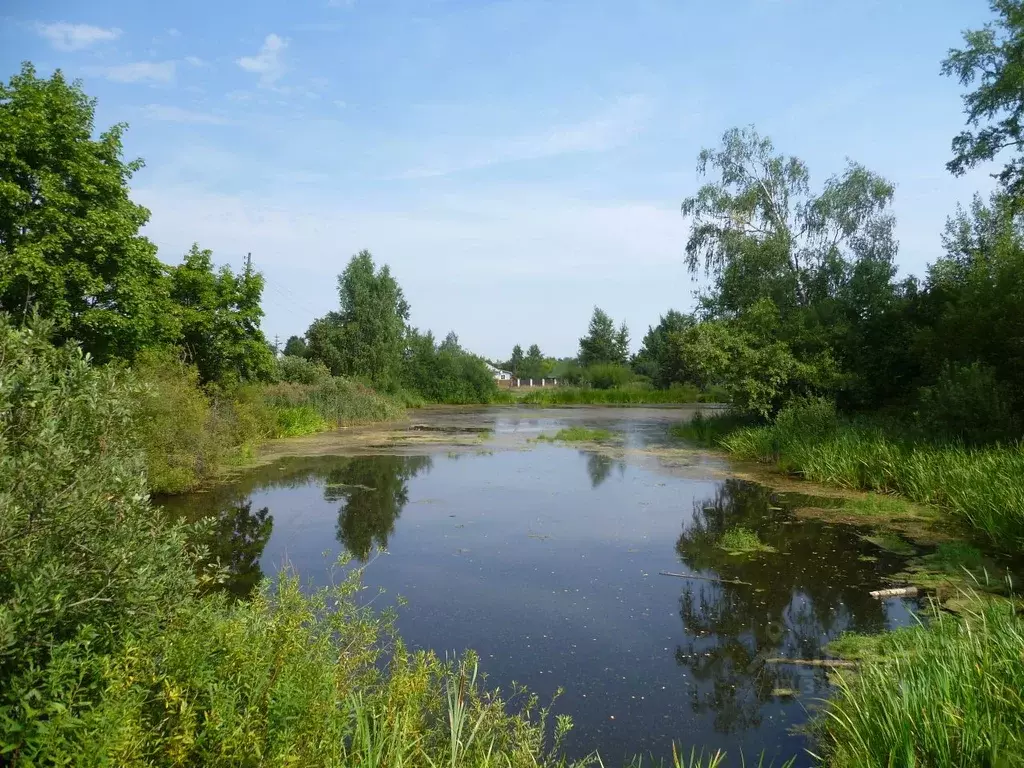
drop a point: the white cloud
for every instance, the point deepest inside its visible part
(75, 37)
(172, 114)
(140, 72)
(267, 63)
(607, 130)
(195, 61)
(173, 32)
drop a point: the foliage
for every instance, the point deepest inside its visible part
(295, 347)
(968, 404)
(299, 370)
(607, 375)
(535, 365)
(445, 373)
(993, 57)
(658, 359)
(83, 561)
(798, 276)
(366, 336)
(219, 315)
(515, 363)
(337, 401)
(70, 248)
(948, 693)
(603, 344)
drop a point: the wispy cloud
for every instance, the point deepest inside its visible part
(75, 37)
(268, 63)
(140, 72)
(195, 61)
(172, 114)
(607, 130)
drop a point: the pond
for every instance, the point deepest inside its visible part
(546, 559)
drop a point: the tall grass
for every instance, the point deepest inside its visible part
(626, 395)
(947, 694)
(982, 487)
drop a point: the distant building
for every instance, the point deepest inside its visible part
(498, 374)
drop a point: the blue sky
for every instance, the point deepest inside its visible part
(514, 162)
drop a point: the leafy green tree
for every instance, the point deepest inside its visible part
(656, 359)
(992, 60)
(295, 347)
(603, 343)
(219, 315)
(70, 248)
(445, 372)
(366, 337)
(815, 265)
(515, 363)
(535, 366)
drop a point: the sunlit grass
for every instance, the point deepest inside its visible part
(743, 541)
(949, 693)
(579, 435)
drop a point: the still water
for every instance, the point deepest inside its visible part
(545, 559)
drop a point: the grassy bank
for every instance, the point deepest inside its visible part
(982, 488)
(949, 694)
(625, 395)
(191, 434)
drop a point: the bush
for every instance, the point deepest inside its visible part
(175, 417)
(967, 403)
(299, 370)
(84, 562)
(338, 401)
(607, 375)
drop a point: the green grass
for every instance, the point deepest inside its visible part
(947, 694)
(981, 487)
(708, 428)
(743, 541)
(580, 435)
(626, 395)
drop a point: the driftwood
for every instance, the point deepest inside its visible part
(813, 662)
(895, 592)
(705, 578)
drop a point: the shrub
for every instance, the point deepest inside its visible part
(299, 370)
(607, 375)
(176, 425)
(967, 403)
(84, 562)
(337, 401)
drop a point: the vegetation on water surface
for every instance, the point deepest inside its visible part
(626, 395)
(743, 541)
(580, 434)
(946, 693)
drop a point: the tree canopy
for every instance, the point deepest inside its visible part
(70, 248)
(366, 336)
(603, 343)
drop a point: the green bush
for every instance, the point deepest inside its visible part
(338, 401)
(607, 375)
(299, 370)
(84, 563)
(967, 403)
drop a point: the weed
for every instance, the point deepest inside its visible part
(743, 541)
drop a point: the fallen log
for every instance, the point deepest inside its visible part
(895, 592)
(814, 662)
(705, 578)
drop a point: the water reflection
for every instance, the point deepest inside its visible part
(599, 467)
(796, 598)
(373, 491)
(237, 540)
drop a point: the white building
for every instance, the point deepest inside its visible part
(498, 374)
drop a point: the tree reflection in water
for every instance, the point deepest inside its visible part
(237, 539)
(599, 467)
(373, 491)
(814, 586)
